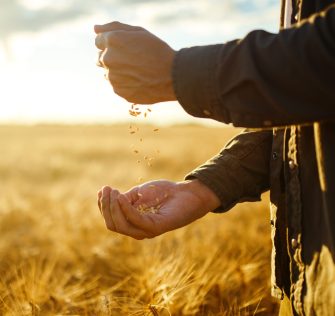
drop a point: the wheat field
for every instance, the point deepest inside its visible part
(57, 257)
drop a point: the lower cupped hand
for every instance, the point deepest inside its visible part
(155, 207)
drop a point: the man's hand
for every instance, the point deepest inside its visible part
(138, 63)
(169, 206)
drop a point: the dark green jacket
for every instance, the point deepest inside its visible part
(283, 86)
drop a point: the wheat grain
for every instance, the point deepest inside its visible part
(143, 208)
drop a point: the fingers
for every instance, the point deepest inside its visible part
(105, 208)
(114, 26)
(114, 39)
(99, 60)
(103, 40)
(113, 204)
(121, 224)
(99, 200)
(111, 33)
(133, 195)
(111, 58)
(100, 41)
(143, 222)
(104, 56)
(114, 218)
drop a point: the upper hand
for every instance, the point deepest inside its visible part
(139, 64)
(177, 204)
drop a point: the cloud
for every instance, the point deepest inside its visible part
(17, 17)
(213, 11)
(210, 19)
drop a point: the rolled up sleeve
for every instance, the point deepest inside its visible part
(240, 172)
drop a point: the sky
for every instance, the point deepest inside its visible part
(48, 71)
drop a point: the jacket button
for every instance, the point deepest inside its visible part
(291, 164)
(274, 155)
(294, 243)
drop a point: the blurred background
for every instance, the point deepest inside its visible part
(64, 134)
(47, 52)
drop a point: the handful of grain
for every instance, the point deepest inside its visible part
(143, 208)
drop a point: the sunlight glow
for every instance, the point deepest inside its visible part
(48, 73)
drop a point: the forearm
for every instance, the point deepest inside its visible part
(240, 172)
(265, 79)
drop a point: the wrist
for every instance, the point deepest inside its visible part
(168, 84)
(208, 198)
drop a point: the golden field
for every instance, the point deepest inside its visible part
(57, 257)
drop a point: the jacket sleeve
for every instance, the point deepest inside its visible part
(240, 172)
(264, 79)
